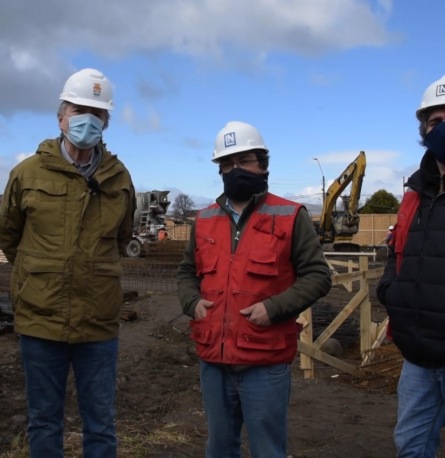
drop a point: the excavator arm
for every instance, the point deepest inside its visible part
(343, 225)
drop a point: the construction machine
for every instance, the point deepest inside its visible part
(336, 228)
(149, 219)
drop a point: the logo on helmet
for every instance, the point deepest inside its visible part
(230, 139)
(97, 89)
(440, 90)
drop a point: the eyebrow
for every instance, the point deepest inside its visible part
(435, 119)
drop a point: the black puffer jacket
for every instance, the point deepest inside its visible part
(415, 298)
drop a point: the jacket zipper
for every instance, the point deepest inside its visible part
(206, 238)
(433, 203)
(237, 237)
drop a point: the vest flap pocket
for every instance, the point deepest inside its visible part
(262, 262)
(253, 337)
(108, 269)
(201, 332)
(208, 261)
(269, 225)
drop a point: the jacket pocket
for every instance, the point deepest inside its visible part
(263, 263)
(253, 337)
(45, 204)
(113, 206)
(206, 262)
(43, 285)
(201, 332)
(108, 289)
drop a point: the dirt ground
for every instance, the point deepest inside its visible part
(159, 411)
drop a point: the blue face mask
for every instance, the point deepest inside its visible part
(85, 130)
(435, 142)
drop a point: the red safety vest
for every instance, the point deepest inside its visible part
(408, 207)
(259, 268)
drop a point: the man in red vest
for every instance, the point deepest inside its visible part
(253, 264)
(413, 289)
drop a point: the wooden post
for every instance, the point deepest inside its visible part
(365, 309)
(306, 336)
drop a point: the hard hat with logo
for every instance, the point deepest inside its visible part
(433, 96)
(89, 88)
(390, 228)
(237, 137)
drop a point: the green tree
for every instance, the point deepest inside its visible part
(381, 202)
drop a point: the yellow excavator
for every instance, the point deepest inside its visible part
(337, 228)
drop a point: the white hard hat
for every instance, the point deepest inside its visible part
(433, 96)
(237, 137)
(390, 228)
(89, 88)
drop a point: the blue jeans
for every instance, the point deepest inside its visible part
(258, 397)
(421, 412)
(46, 364)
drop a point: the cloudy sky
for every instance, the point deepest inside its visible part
(318, 78)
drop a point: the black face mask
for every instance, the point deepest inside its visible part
(240, 185)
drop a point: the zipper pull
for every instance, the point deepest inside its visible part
(237, 236)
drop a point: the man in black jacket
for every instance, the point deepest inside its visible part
(413, 289)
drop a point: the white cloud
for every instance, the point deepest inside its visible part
(346, 157)
(22, 156)
(33, 33)
(150, 122)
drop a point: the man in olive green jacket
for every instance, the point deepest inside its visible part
(65, 220)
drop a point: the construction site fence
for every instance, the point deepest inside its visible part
(373, 228)
(141, 275)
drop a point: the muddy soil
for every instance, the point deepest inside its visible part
(159, 397)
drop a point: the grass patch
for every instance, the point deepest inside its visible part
(133, 441)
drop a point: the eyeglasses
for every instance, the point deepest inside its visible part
(227, 167)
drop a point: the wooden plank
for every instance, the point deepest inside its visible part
(317, 354)
(382, 326)
(344, 263)
(306, 336)
(349, 284)
(373, 331)
(349, 254)
(365, 310)
(340, 318)
(356, 276)
(381, 334)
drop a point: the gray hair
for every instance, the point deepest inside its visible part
(63, 106)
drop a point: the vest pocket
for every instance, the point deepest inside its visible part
(201, 332)
(254, 337)
(262, 262)
(206, 262)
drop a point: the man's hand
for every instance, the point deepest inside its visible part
(201, 309)
(257, 314)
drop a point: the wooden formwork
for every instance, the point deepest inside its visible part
(371, 334)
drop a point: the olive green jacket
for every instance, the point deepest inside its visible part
(65, 245)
